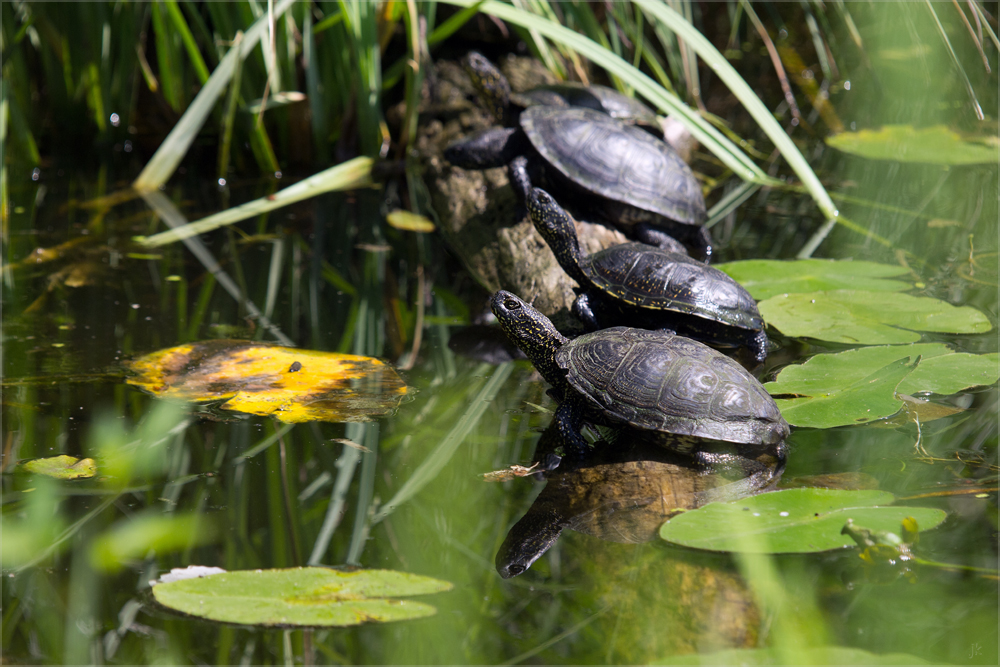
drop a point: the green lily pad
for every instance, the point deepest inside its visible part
(62, 467)
(867, 399)
(791, 521)
(765, 278)
(863, 317)
(952, 373)
(905, 143)
(301, 597)
(838, 389)
(818, 655)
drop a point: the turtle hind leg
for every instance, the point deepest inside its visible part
(649, 235)
(668, 235)
(584, 311)
(701, 240)
(758, 345)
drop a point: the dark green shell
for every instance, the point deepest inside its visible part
(619, 162)
(646, 277)
(656, 381)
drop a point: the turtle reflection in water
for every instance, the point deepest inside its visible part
(624, 493)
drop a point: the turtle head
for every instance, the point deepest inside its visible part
(556, 226)
(532, 332)
(494, 90)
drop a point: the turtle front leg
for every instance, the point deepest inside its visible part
(490, 148)
(569, 420)
(694, 237)
(517, 171)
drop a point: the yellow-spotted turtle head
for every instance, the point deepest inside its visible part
(533, 333)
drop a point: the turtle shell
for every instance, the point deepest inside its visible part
(657, 381)
(619, 162)
(647, 277)
(599, 98)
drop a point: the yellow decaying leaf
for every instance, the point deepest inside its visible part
(290, 384)
(409, 222)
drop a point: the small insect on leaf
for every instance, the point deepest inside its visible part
(292, 385)
(509, 473)
(350, 443)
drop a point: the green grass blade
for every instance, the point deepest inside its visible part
(730, 202)
(171, 76)
(451, 26)
(349, 175)
(175, 146)
(708, 136)
(174, 218)
(346, 465)
(328, 23)
(366, 493)
(438, 459)
(310, 62)
(229, 119)
(985, 23)
(745, 94)
(180, 24)
(957, 63)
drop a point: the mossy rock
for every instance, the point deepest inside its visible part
(478, 213)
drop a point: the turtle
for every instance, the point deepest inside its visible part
(663, 388)
(495, 93)
(639, 285)
(623, 494)
(633, 179)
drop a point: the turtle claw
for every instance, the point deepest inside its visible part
(549, 462)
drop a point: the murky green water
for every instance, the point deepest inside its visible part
(415, 501)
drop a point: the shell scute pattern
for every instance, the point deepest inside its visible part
(644, 276)
(657, 381)
(691, 387)
(620, 162)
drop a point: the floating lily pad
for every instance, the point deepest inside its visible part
(833, 480)
(765, 278)
(301, 597)
(863, 317)
(819, 655)
(791, 521)
(288, 384)
(840, 389)
(905, 143)
(870, 398)
(919, 410)
(62, 467)
(952, 373)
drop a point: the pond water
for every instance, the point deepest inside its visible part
(329, 277)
